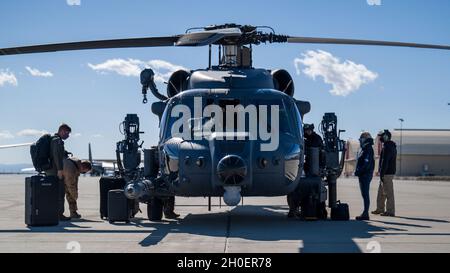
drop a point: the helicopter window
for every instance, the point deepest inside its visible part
(299, 122)
(224, 102)
(168, 121)
(163, 122)
(199, 125)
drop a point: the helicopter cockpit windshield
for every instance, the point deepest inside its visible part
(223, 117)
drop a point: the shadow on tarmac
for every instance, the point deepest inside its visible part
(254, 223)
(262, 223)
(423, 219)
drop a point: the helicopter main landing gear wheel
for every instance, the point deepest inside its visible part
(311, 209)
(155, 209)
(322, 213)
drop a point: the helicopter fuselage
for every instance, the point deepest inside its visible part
(257, 149)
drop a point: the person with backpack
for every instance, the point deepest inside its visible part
(57, 153)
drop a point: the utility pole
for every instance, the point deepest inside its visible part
(401, 143)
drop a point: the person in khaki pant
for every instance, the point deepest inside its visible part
(73, 167)
(387, 169)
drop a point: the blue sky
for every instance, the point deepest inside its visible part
(410, 83)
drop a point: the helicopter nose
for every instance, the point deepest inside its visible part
(232, 170)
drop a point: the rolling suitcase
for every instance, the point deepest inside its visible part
(41, 200)
(340, 212)
(107, 184)
(119, 207)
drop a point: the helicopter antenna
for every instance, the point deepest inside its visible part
(193, 28)
(209, 58)
(287, 86)
(176, 89)
(267, 27)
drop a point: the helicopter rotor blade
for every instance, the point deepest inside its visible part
(313, 40)
(200, 38)
(117, 43)
(207, 37)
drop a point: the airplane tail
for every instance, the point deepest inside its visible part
(90, 153)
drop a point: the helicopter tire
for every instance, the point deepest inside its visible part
(155, 209)
(322, 212)
(309, 209)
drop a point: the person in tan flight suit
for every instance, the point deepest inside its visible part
(73, 167)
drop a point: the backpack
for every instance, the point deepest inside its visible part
(40, 153)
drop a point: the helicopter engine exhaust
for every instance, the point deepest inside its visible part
(139, 189)
(232, 195)
(283, 82)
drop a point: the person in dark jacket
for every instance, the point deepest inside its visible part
(364, 171)
(387, 169)
(312, 140)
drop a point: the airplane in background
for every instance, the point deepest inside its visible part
(99, 167)
(15, 145)
(102, 166)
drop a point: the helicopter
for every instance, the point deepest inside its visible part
(229, 130)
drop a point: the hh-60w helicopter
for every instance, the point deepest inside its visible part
(215, 153)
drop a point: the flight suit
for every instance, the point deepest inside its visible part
(169, 208)
(57, 154)
(71, 174)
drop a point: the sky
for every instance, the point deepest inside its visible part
(369, 88)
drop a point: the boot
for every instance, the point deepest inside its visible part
(75, 215)
(293, 213)
(387, 214)
(362, 217)
(171, 215)
(63, 218)
(377, 211)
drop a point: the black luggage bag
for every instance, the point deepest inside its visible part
(120, 208)
(41, 200)
(107, 184)
(340, 212)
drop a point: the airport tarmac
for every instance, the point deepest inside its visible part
(259, 225)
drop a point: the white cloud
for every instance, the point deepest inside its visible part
(7, 77)
(345, 77)
(130, 67)
(133, 68)
(32, 132)
(163, 69)
(374, 2)
(6, 135)
(36, 73)
(73, 2)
